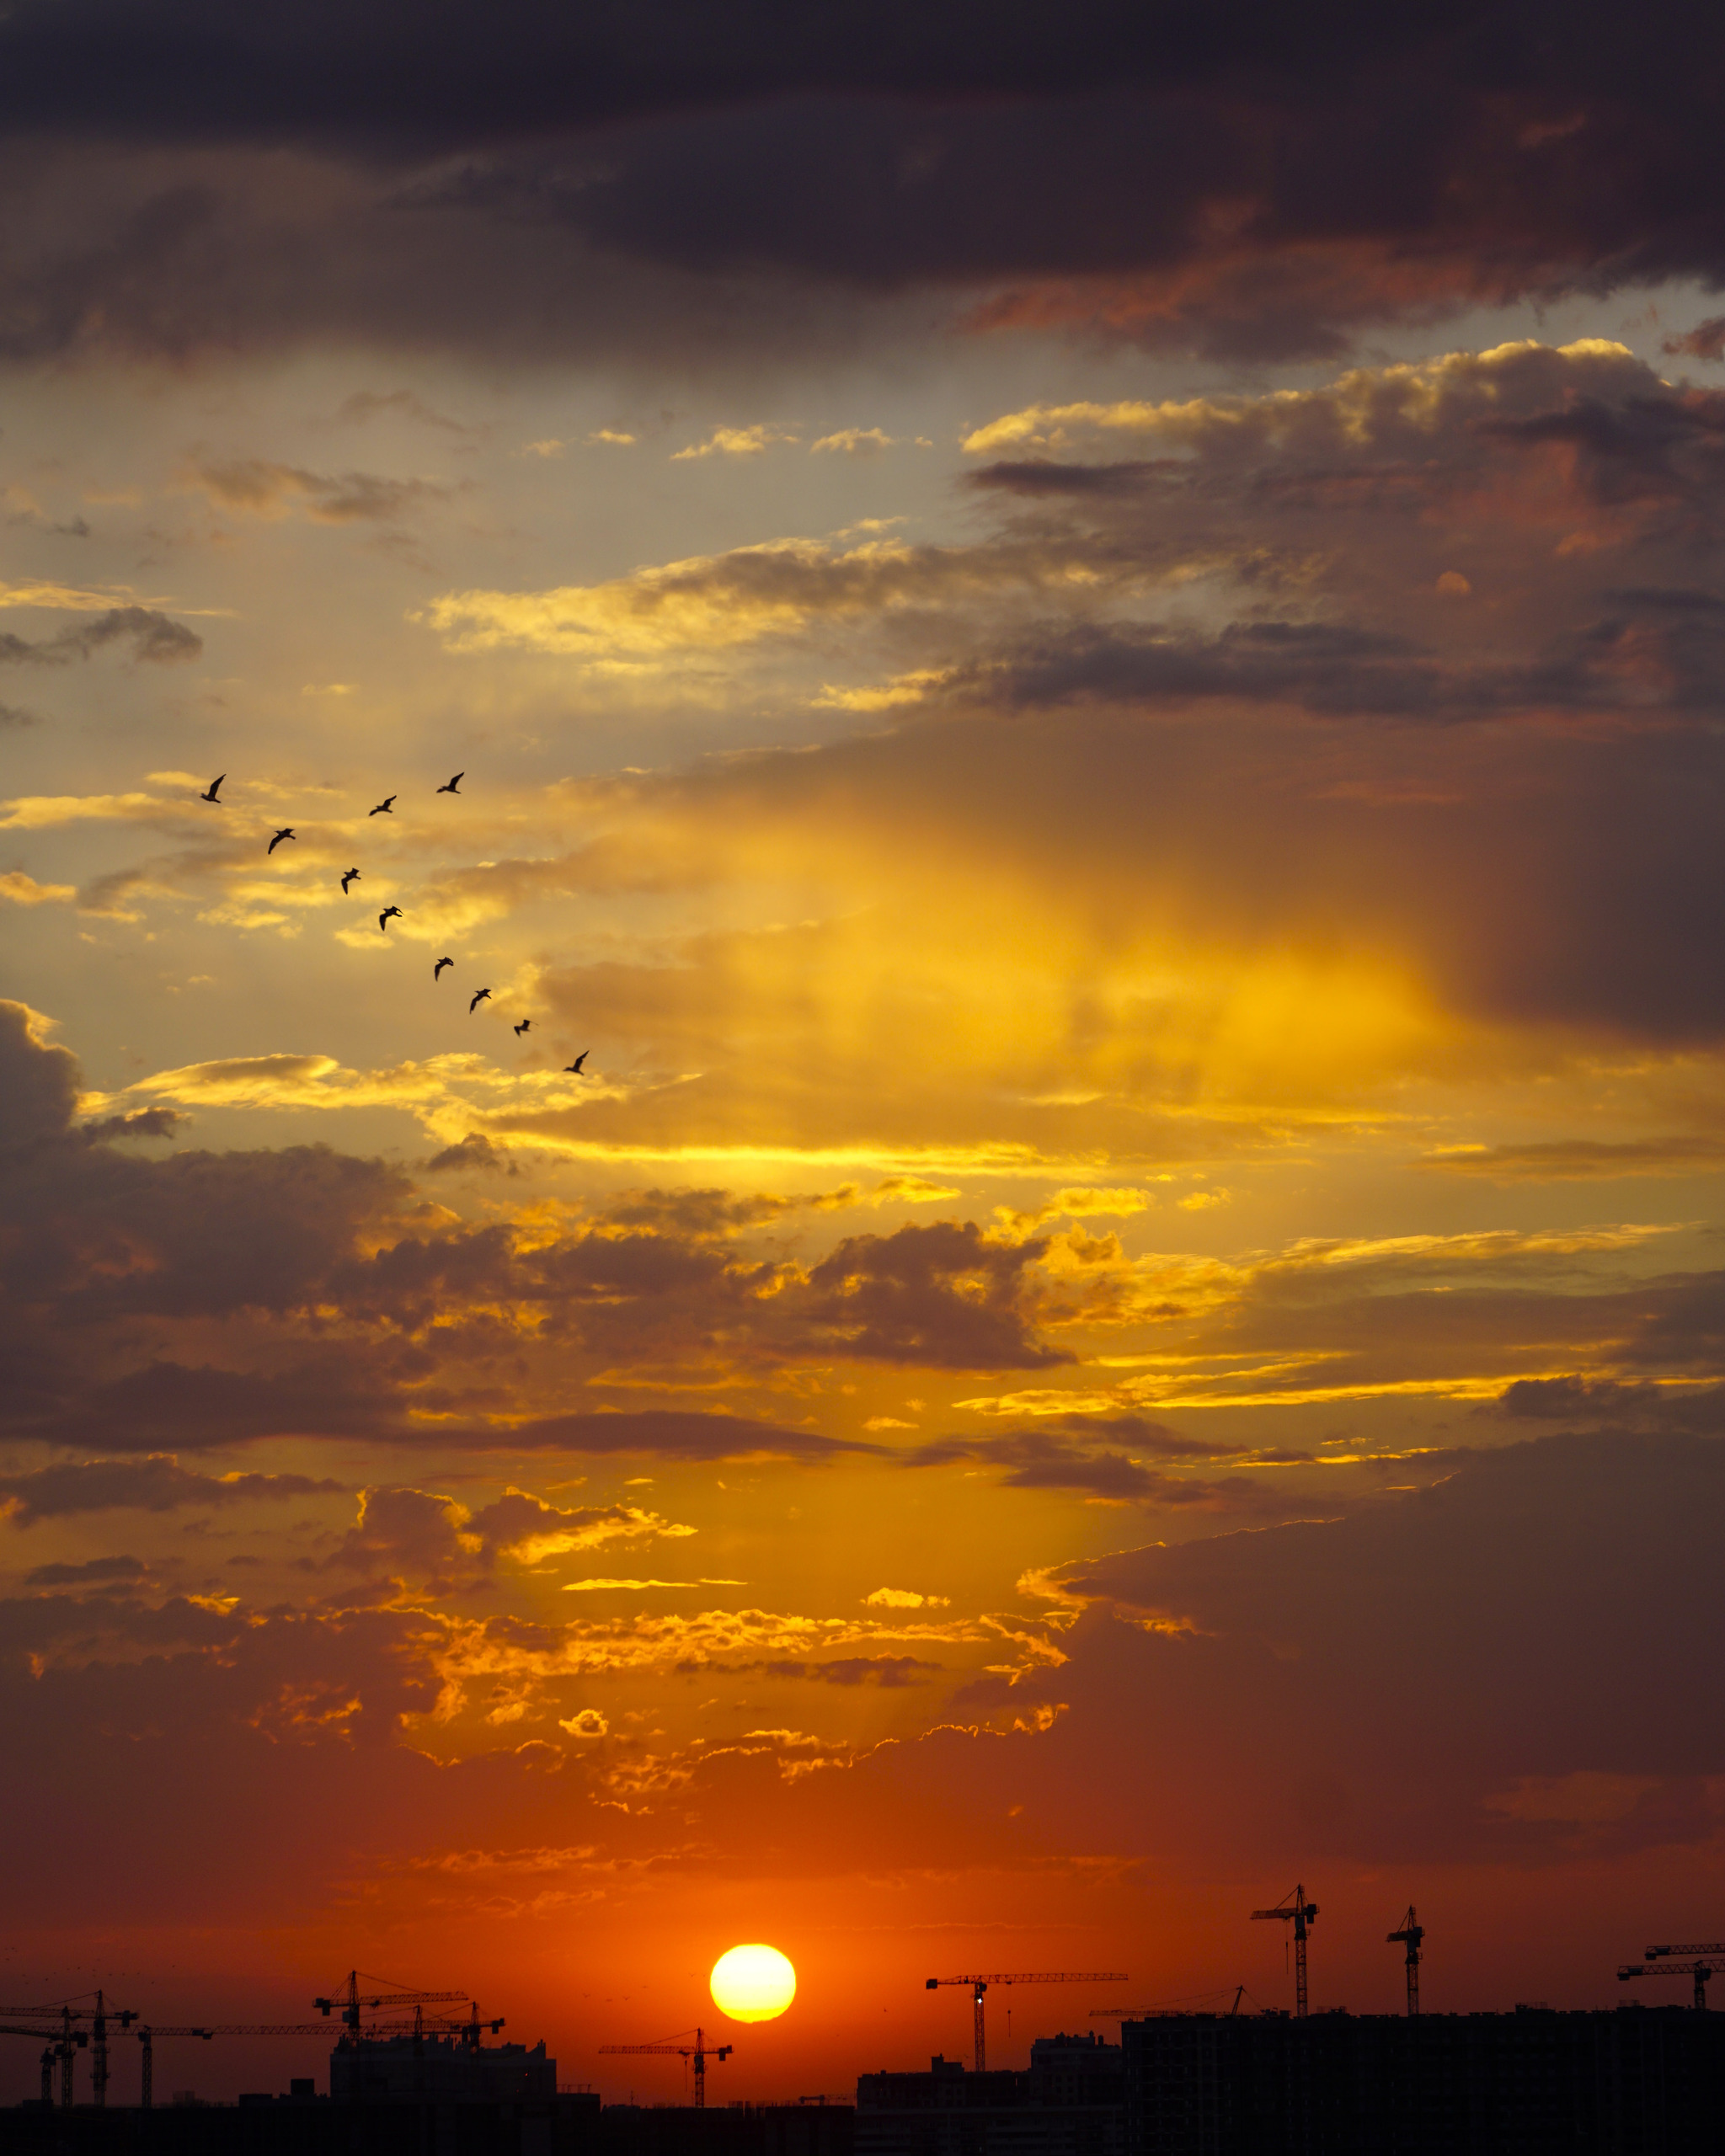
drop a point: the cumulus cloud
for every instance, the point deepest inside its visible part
(854, 442)
(21, 890)
(738, 598)
(734, 441)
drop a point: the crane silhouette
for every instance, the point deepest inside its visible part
(1411, 1933)
(700, 2051)
(1697, 1962)
(1294, 1908)
(979, 1985)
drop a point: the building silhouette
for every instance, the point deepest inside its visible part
(1634, 2081)
(1069, 2102)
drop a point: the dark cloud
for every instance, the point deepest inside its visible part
(672, 1433)
(941, 1296)
(1706, 341)
(87, 1573)
(1052, 1460)
(892, 1672)
(1583, 1160)
(115, 1267)
(136, 1122)
(256, 486)
(1204, 178)
(371, 404)
(1574, 1400)
(150, 635)
(157, 1484)
(474, 1152)
(1501, 1625)
(16, 715)
(520, 69)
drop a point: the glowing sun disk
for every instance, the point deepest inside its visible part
(753, 1983)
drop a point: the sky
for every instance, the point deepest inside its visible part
(1084, 649)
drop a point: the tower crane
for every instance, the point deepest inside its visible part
(467, 2031)
(1411, 1933)
(1697, 1961)
(65, 2043)
(979, 1985)
(1191, 2003)
(351, 2000)
(700, 2051)
(54, 2048)
(1294, 1908)
(54, 2025)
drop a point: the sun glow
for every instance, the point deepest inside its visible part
(753, 1983)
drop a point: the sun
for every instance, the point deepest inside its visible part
(753, 1983)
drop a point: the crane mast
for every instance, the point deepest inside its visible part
(1411, 1933)
(1294, 1908)
(700, 2051)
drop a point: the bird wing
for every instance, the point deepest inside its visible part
(580, 1058)
(214, 784)
(456, 781)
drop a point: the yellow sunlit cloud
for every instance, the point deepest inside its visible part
(735, 441)
(22, 890)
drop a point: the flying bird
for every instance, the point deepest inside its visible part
(213, 792)
(437, 970)
(480, 998)
(286, 831)
(351, 876)
(386, 806)
(576, 1065)
(454, 785)
(389, 914)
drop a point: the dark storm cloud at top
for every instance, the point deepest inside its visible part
(540, 180)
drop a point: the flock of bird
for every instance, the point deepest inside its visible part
(212, 793)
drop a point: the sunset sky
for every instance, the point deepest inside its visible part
(1087, 646)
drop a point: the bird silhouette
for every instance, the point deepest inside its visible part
(286, 832)
(454, 784)
(480, 998)
(386, 806)
(351, 876)
(576, 1065)
(389, 914)
(524, 1025)
(437, 970)
(214, 786)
